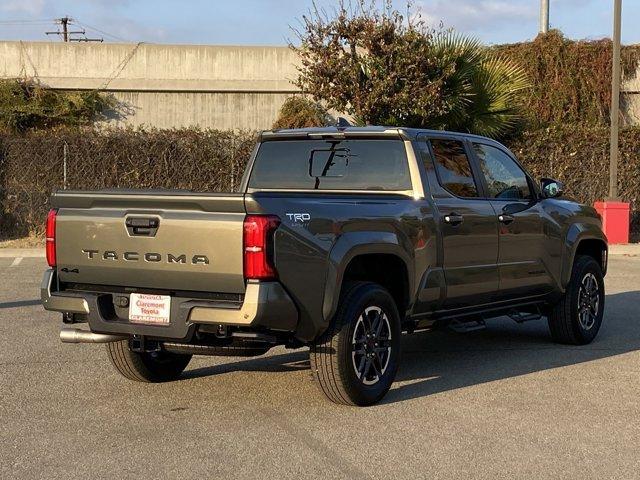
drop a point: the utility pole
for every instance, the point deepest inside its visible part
(615, 101)
(544, 16)
(66, 34)
(64, 21)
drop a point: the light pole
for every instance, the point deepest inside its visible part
(615, 102)
(614, 212)
(544, 16)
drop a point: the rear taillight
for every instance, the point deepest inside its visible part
(258, 246)
(51, 237)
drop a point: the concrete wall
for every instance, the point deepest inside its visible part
(222, 110)
(166, 85)
(225, 87)
(630, 100)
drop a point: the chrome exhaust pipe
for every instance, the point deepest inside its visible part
(75, 335)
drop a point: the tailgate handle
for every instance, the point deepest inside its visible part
(142, 226)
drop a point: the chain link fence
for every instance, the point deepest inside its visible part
(32, 166)
(579, 157)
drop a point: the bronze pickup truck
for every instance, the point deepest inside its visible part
(339, 239)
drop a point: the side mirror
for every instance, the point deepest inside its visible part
(551, 188)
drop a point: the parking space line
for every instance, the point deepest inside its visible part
(16, 261)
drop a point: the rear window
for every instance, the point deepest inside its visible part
(356, 164)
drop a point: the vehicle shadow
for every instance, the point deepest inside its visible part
(20, 303)
(288, 362)
(443, 360)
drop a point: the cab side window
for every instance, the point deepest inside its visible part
(505, 179)
(453, 167)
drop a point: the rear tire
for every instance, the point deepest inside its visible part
(150, 367)
(356, 360)
(577, 317)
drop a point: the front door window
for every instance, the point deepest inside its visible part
(505, 179)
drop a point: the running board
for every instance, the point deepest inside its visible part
(520, 317)
(470, 326)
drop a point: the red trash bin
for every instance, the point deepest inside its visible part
(615, 220)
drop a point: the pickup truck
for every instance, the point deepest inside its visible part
(339, 239)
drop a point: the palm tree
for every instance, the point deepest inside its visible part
(484, 92)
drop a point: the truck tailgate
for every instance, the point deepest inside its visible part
(165, 240)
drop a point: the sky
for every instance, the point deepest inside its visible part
(268, 22)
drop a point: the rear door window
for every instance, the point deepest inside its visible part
(453, 167)
(354, 164)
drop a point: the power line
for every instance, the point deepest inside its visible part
(23, 22)
(65, 23)
(97, 30)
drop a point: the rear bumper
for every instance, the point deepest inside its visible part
(266, 305)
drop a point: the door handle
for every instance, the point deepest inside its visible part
(453, 219)
(506, 219)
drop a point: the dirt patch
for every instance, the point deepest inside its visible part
(24, 242)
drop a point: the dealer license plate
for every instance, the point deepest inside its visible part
(153, 309)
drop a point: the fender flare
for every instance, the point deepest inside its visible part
(577, 233)
(351, 245)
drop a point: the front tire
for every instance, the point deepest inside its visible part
(149, 367)
(356, 360)
(577, 317)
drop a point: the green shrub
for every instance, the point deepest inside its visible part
(579, 157)
(571, 80)
(301, 112)
(31, 166)
(25, 105)
(213, 161)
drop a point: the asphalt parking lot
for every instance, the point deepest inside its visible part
(499, 403)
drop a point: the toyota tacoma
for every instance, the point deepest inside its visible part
(339, 239)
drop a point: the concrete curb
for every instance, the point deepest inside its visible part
(630, 249)
(22, 253)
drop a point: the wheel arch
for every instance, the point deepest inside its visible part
(378, 253)
(584, 240)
